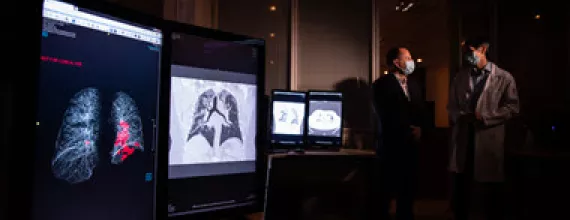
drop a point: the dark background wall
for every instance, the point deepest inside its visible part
(150, 7)
(179, 10)
(334, 42)
(535, 52)
(334, 48)
(254, 18)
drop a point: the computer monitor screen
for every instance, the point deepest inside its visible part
(97, 102)
(288, 117)
(324, 124)
(213, 124)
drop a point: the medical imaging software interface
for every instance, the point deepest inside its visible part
(213, 124)
(97, 101)
(325, 118)
(288, 118)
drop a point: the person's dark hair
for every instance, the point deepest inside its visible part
(392, 54)
(476, 42)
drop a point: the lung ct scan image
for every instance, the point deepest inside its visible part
(325, 118)
(211, 121)
(288, 118)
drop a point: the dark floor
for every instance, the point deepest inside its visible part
(430, 210)
(439, 210)
(425, 210)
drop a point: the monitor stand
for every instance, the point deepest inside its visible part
(320, 148)
(286, 149)
(299, 151)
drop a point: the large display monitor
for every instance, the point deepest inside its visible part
(96, 113)
(214, 120)
(287, 119)
(325, 119)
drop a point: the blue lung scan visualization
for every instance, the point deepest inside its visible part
(128, 127)
(76, 145)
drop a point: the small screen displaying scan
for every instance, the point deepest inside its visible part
(325, 118)
(288, 117)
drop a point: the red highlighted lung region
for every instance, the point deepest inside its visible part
(128, 127)
(122, 142)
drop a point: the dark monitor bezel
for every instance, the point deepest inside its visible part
(331, 147)
(171, 27)
(284, 147)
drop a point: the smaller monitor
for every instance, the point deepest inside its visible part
(325, 122)
(288, 118)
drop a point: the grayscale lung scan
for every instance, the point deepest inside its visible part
(288, 118)
(211, 121)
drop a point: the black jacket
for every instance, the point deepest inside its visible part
(397, 113)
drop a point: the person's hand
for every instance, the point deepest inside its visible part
(468, 118)
(416, 132)
(478, 116)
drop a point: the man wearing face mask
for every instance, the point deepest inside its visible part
(482, 98)
(398, 104)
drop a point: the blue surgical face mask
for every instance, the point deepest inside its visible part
(472, 58)
(410, 66)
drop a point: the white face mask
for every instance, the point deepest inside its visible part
(410, 66)
(472, 58)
